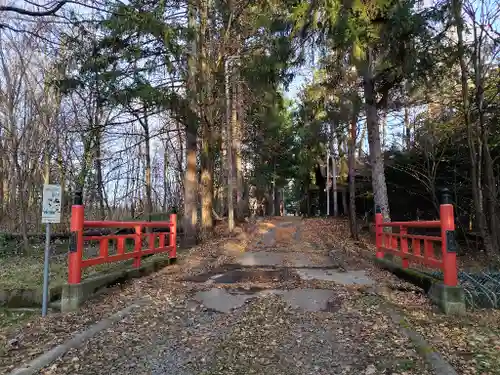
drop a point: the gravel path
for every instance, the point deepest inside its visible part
(175, 334)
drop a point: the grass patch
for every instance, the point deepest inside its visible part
(26, 272)
(12, 318)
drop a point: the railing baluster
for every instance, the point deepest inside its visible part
(161, 241)
(403, 231)
(137, 246)
(394, 242)
(415, 245)
(152, 240)
(120, 246)
(104, 248)
(428, 250)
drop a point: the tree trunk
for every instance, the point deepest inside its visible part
(490, 183)
(236, 158)
(352, 179)
(237, 136)
(190, 219)
(205, 91)
(361, 140)
(3, 176)
(407, 136)
(384, 129)
(99, 177)
(475, 152)
(376, 156)
(147, 172)
(344, 202)
(190, 191)
(334, 153)
(165, 179)
(206, 184)
(229, 148)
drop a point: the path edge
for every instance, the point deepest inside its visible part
(431, 357)
(76, 341)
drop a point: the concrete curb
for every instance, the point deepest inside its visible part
(47, 358)
(434, 359)
(74, 295)
(431, 357)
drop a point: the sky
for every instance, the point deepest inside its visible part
(303, 74)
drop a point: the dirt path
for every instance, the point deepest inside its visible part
(277, 305)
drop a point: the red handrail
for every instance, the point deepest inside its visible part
(414, 224)
(408, 246)
(127, 224)
(78, 224)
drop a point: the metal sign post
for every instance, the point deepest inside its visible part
(51, 213)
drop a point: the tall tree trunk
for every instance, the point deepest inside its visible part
(147, 172)
(384, 128)
(99, 177)
(359, 153)
(376, 157)
(237, 136)
(190, 218)
(273, 191)
(224, 142)
(475, 152)
(352, 179)
(229, 143)
(334, 153)
(205, 90)
(190, 190)
(3, 176)
(345, 208)
(490, 183)
(181, 154)
(235, 128)
(407, 136)
(166, 169)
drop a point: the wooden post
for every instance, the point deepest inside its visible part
(448, 245)
(76, 240)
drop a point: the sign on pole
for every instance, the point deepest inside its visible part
(51, 213)
(51, 206)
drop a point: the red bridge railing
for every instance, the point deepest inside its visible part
(156, 242)
(421, 248)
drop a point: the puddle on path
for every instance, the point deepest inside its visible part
(232, 274)
(345, 278)
(255, 275)
(312, 300)
(236, 274)
(271, 259)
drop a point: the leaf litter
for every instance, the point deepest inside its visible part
(470, 343)
(174, 334)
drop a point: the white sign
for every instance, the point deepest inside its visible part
(51, 204)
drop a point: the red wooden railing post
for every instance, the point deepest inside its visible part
(447, 218)
(379, 219)
(76, 241)
(403, 231)
(173, 237)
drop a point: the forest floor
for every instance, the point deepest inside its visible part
(282, 296)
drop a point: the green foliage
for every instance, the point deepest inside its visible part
(125, 53)
(271, 147)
